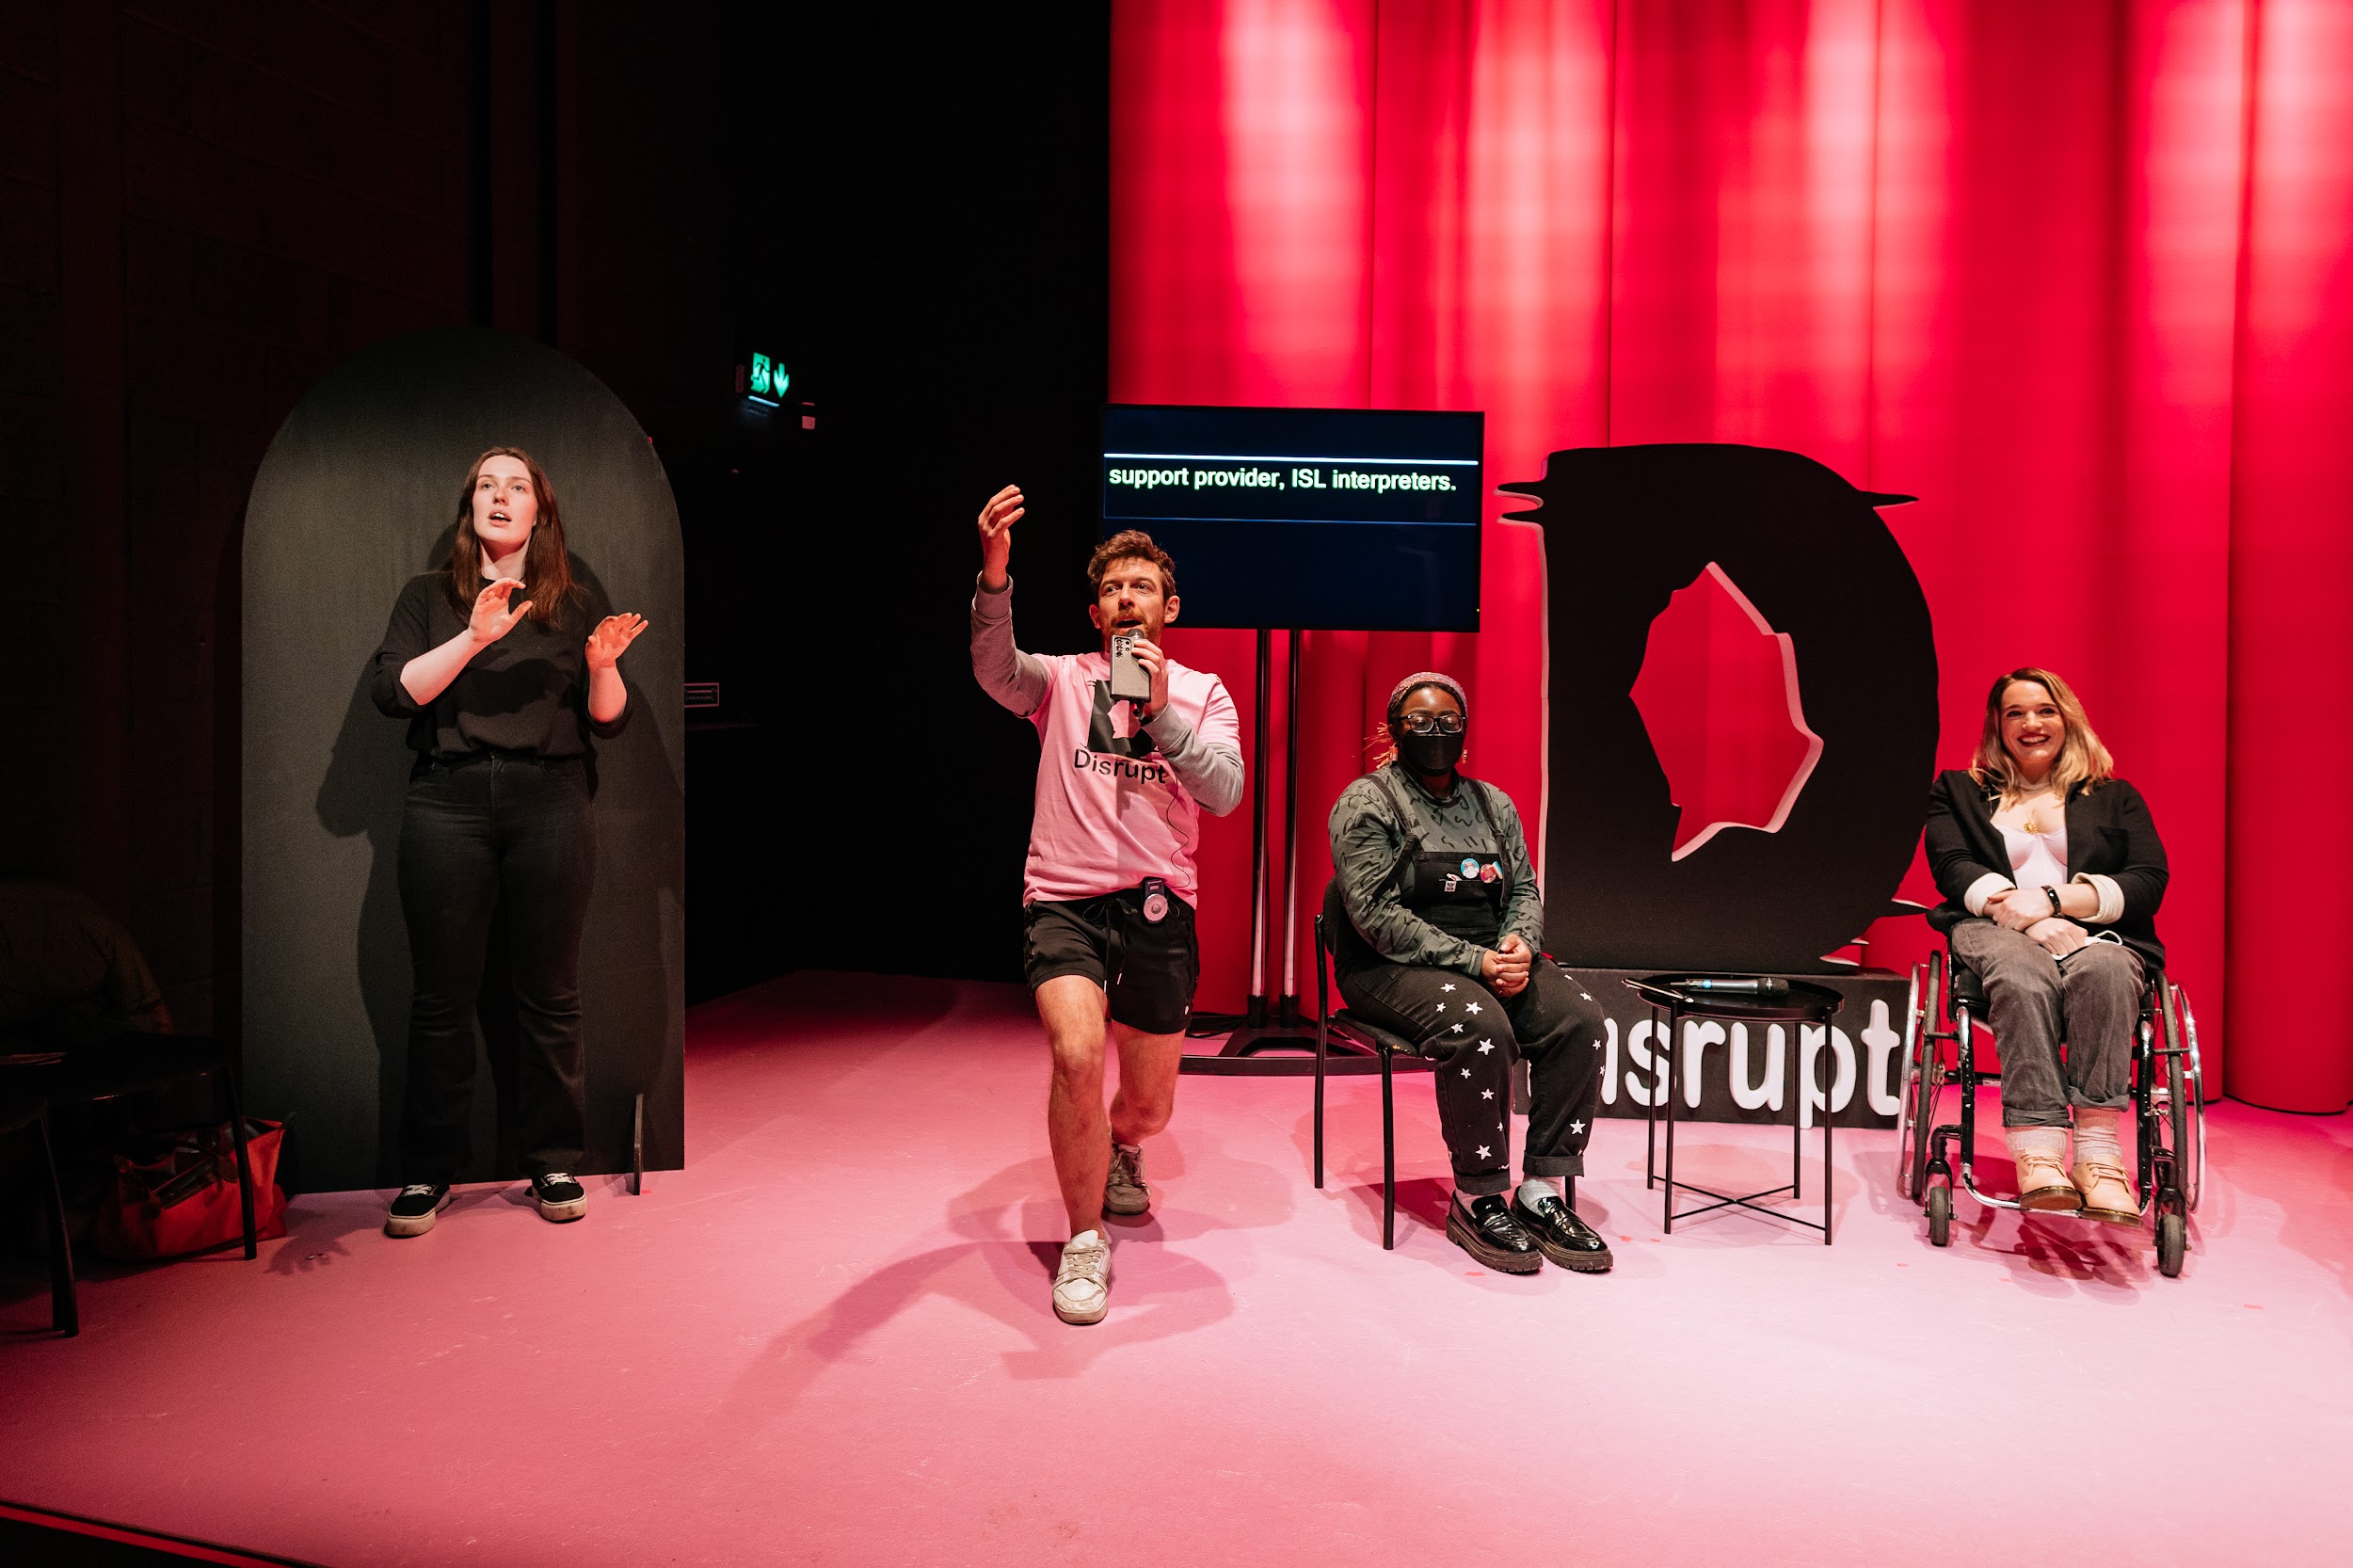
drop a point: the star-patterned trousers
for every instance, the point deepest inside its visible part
(1473, 1035)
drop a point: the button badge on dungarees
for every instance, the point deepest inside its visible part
(1155, 900)
(1471, 867)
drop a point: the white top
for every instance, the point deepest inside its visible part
(2037, 859)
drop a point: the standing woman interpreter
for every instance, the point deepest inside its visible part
(506, 669)
(2052, 874)
(1435, 928)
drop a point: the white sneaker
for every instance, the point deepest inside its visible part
(1083, 1285)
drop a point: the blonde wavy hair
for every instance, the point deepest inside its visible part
(2082, 758)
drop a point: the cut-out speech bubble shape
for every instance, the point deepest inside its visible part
(1719, 695)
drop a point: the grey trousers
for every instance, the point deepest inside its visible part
(2090, 999)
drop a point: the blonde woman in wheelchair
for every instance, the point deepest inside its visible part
(2052, 874)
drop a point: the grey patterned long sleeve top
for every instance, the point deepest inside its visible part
(1369, 847)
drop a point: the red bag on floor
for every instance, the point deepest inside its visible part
(183, 1197)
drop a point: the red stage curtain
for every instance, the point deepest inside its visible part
(2074, 275)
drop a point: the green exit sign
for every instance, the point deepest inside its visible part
(766, 381)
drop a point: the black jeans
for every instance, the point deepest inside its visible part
(1473, 1035)
(512, 840)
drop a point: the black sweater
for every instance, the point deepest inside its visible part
(528, 692)
(2108, 832)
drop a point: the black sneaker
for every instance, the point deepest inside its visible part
(416, 1206)
(1562, 1237)
(559, 1197)
(1490, 1234)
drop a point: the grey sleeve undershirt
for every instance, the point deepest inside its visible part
(1210, 773)
(1016, 679)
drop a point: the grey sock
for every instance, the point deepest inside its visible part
(1536, 1189)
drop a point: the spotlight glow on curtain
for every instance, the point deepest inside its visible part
(2074, 275)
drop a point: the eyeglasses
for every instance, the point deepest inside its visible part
(1422, 724)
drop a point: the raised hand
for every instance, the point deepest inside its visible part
(1003, 510)
(493, 615)
(612, 637)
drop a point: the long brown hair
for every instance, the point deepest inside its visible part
(547, 559)
(2082, 758)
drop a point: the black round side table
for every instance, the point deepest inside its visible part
(1734, 999)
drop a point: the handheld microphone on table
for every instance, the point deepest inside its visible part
(1130, 681)
(1763, 985)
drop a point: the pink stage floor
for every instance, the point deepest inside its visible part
(828, 1341)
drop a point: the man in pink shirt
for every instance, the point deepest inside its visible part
(1109, 889)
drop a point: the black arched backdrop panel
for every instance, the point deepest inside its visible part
(1624, 527)
(356, 496)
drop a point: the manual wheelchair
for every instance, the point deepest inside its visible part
(2168, 1102)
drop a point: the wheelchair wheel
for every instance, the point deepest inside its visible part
(1941, 1216)
(2187, 1081)
(1916, 1106)
(2173, 1243)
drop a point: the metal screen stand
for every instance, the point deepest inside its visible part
(1280, 1028)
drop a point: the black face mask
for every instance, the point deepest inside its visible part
(1432, 752)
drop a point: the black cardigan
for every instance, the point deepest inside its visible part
(2108, 831)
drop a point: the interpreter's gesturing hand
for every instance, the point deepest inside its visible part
(1003, 510)
(1509, 966)
(612, 637)
(493, 616)
(1155, 665)
(2018, 908)
(2059, 937)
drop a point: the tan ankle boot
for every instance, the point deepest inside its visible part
(2039, 1154)
(2106, 1195)
(2043, 1184)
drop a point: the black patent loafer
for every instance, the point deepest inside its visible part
(1490, 1234)
(1561, 1236)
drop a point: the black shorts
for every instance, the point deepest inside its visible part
(1148, 970)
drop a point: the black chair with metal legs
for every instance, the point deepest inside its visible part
(20, 1111)
(1374, 1040)
(1379, 1042)
(131, 1062)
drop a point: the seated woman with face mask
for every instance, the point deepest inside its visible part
(1436, 925)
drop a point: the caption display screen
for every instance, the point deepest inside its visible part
(1311, 519)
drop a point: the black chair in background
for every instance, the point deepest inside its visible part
(1361, 1036)
(20, 1112)
(82, 1019)
(133, 1063)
